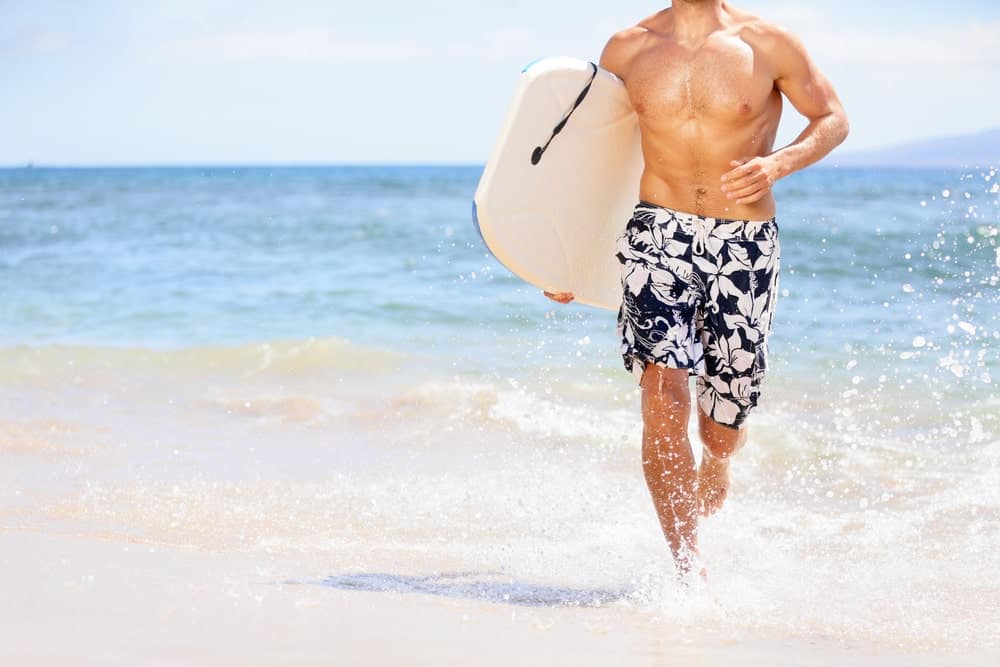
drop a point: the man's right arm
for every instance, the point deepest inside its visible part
(615, 58)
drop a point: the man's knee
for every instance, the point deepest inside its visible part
(665, 393)
(721, 440)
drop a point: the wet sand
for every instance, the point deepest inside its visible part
(82, 601)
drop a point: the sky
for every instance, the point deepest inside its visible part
(91, 82)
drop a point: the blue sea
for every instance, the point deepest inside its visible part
(328, 359)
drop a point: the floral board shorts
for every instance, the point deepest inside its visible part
(699, 293)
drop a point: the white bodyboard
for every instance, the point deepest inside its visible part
(555, 223)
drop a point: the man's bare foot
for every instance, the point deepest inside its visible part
(701, 574)
(713, 483)
(689, 569)
(692, 574)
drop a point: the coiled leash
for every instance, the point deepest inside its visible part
(536, 155)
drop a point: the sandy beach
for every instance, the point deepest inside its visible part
(72, 601)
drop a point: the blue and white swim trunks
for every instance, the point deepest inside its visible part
(699, 293)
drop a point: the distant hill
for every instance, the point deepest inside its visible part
(981, 149)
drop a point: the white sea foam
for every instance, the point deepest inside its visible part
(536, 415)
(77, 364)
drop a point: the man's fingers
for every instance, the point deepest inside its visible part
(753, 197)
(742, 183)
(739, 171)
(733, 174)
(748, 190)
(749, 182)
(561, 297)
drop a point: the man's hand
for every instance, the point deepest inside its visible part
(561, 297)
(751, 179)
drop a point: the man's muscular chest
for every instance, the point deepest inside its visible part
(722, 81)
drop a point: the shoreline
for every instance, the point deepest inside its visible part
(110, 602)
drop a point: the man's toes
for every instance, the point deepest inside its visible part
(713, 484)
(706, 504)
(713, 502)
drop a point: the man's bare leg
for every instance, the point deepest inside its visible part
(719, 444)
(668, 462)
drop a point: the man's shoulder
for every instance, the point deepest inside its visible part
(776, 45)
(629, 37)
(634, 36)
(622, 48)
(764, 34)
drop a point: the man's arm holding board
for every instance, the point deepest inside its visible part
(812, 95)
(614, 58)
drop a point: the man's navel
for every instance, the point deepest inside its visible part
(700, 191)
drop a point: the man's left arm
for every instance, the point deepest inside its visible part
(813, 96)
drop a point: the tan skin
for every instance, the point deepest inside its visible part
(707, 82)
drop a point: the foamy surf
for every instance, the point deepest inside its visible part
(74, 363)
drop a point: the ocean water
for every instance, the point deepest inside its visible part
(328, 361)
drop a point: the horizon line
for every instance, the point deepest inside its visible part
(826, 162)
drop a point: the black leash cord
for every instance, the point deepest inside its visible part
(536, 155)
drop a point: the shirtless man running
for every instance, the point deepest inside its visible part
(700, 255)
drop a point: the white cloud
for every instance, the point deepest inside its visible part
(973, 45)
(833, 38)
(297, 45)
(320, 45)
(35, 42)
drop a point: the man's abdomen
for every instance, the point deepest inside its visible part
(702, 197)
(685, 160)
